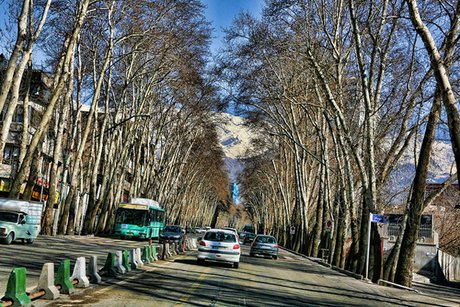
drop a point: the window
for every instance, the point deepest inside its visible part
(10, 154)
(18, 116)
(269, 240)
(220, 236)
(8, 217)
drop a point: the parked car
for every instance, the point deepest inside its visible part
(264, 245)
(249, 237)
(172, 233)
(200, 230)
(219, 245)
(241, 235)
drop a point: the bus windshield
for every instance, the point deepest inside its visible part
(131, 216)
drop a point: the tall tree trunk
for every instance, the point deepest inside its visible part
(47, 222)
(407, 251)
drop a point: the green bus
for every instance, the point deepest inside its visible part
(141, 218)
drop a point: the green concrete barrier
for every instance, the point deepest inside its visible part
(63, 277)
(152, 258)
(16, 288)
(110, 265)
(146, 255)
(125, 260)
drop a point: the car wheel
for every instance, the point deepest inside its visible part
(29, 241)
(200, 261)
(9, 239)
(275, 257)
(236, 265)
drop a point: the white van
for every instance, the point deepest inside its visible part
(19, 220)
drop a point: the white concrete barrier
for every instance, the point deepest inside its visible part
(119, 263)
(46, 282)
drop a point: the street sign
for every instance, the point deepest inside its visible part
(328, 226)
(377, 218)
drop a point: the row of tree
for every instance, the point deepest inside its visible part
(128, 110)
(339, 90)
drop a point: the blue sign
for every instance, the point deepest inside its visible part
(377, 218)
(235, 193)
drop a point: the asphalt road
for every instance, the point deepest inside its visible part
(289, 281)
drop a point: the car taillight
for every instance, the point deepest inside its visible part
(2, 230)
(202, 243)
(236, 246)
(276, 246)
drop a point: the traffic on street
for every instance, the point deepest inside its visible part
(290, 280)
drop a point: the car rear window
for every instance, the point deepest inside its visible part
(269, 240)
(172, 229)
(219, 236)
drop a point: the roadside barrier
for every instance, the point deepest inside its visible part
(149, 253)
(63, 277)
(193, 243)
(154, 252)
(51, 286)
(79, 273)
(94, 276)
(146, 255)
(119, 262)
(125, 260)
(46, 283)
(16, 289)
(139, 256)
(133, 259)
(110, 265)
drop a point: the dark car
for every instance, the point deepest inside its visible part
(249, 237)
(172, 233)
(265, 246)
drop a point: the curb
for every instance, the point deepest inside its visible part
(325, 264)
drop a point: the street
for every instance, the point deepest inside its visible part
(289, 281)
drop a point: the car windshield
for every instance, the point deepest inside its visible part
(8, 217)
(219, 236)
(269, 240)
(172, 229)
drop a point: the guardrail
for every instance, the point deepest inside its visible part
(50, 287)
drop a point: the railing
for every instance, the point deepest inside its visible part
(449, 266)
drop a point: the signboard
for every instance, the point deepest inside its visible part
(328, 226)
(133, 206)
(377, 218)
(292, 230)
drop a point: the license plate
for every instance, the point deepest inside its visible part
(266, 247)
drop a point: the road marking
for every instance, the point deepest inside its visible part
(193, 287)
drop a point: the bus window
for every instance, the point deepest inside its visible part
(129, 216)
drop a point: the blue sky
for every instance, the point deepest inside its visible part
(222, 12)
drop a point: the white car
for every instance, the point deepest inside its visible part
(219, 245)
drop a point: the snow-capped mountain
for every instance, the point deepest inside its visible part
(235, 139)
(442, 165)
